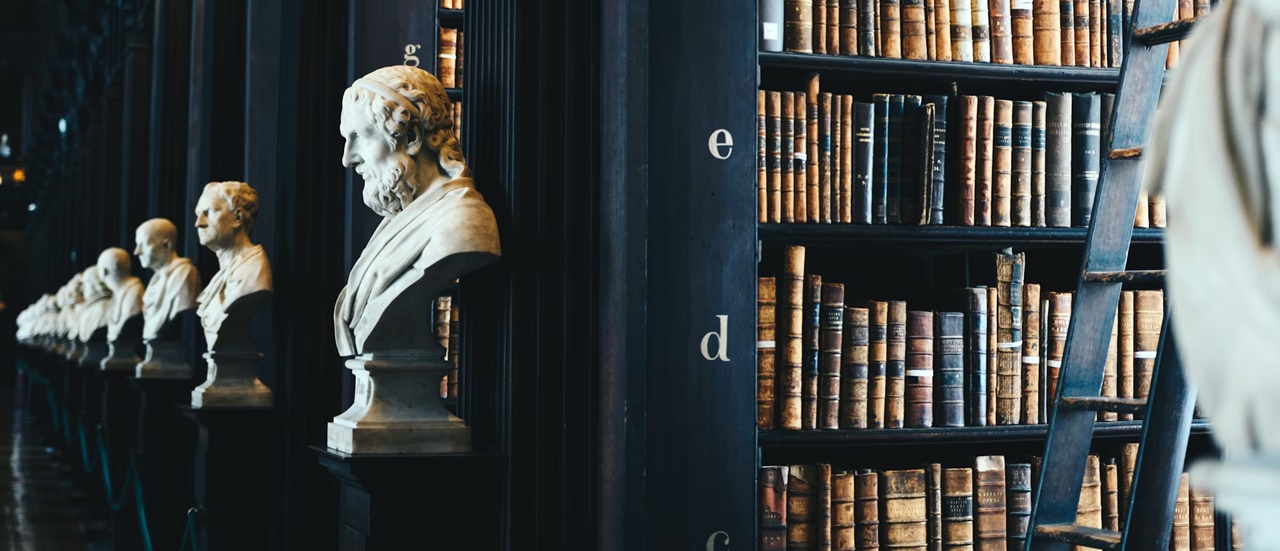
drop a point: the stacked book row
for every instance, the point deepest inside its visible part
(985, 505)
(908, 159)
(991, 356)
(456, 109)
(1081, 33)
(448, 331)
(451, 4)
(449, 58)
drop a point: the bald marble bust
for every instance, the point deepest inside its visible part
(224, 221)
(97, 297)
(115, 267)
(175, 281)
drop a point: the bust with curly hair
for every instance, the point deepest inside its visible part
(225, 215)
(436, 227)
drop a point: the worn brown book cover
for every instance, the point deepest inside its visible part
(933, 505)
(957, 509)
(774, 113)
(455, 338)
(1180, 537)
(844, 534)
(1039, 149)
(766, 297)
(837, 142)
(762, 157)
(896, 367)
(962, 30)
(1142, 217)
(824, 159)
(867, 510)
(788, 157)
(1202, 520)
(810, 364)
(1237, 536)
(1058, 156)
(942, 12)
(1158, 210)
(790, 315)
(800, 160)
(853, 375)
(1001, 33)
(1059, 322)
(990, 509)
(1083, 51)
(868, 28)
(1200, 8)
(1095, 33)
(846, 159)
(1002, 165)
(919, 373)
(1021, 172)
(1023, 33)
(1030, 354)
(830, 342)
(1124, 351)
(819, 16)
(948, 371)
(1009, 280)
(447, 58)
(1089, 511)
(993, 382)
(981, 23)
(914, 31)
(773, 508)
(1047, 23)
(797, 34)
(931, 27)
(1067, 22)
(813, 178)
(877, 366)
(1110, 497)
(1148, 316)
(984, 162)
(968, 108)
(1128, 464)
(849, 27)
(890, 29)
(979, 333)
(1018, 501)
(903, 511)
(833, 27)
(1109, 369)
(822, 520)
(802, 513)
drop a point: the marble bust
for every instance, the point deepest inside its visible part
(93, 317)
(175, 281)
(115, 268)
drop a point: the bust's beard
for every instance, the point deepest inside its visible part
(388, 192)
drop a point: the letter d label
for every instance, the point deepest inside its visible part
(722, 350)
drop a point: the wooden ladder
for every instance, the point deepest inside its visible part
(1167, 411)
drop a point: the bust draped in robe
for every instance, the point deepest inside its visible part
(125, 304)
(248, 273)
(172, 290)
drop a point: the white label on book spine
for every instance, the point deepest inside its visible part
(1055, 363)
(1014, 344)
(1145, 354)
(766, 344)
(919, 373)
(770, 31)
(1031, 359)
(1022, 5)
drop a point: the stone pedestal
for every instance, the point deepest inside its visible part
(122, 356)
(75, 350)
(165, 359)
(166, 451)
(119, 426)
(94, 352)
(239, 474)
(232, 382)
(398, 409)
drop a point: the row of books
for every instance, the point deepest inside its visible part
(827, 363)
(448, 332)
(1081, 33)
(449, 58)
(908, 159)
(985, 505)
(450, 4)
(456, 109)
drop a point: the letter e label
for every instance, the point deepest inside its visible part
(719, 140)
(711, 541)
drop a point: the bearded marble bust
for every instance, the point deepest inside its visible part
(175, 281)
(224, 221)
(436, 227)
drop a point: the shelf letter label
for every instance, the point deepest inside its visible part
(410, 59)
(722, 350)
(719, 140)
(711, 541)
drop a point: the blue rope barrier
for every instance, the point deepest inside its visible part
(189, 535)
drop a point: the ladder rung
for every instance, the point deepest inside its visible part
(1080, 535)
(1126, 153)
(1102, 403)
(1127, 276)
(1166, 33)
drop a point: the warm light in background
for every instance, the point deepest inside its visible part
(19, 176)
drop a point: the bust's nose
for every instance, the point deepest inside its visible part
(349, 157)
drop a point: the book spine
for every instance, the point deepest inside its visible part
(1002, 169)
(1089, 510)
(1202, 521)
(867, 28)
(788, 201)
(990, 510)
(925, 163)
(1001, 33)
(931, 27)
(914, 32)
(837, 147)
(1031, 354)
(968, 159)
(802, 494)
(938, 173)
(1199, 8)
(864, 121)
(800, 163)
(957, 509)
(1059, 321)
(880, 162)
(846, 158)
(824, 153)
(1115, 30)
(1081, 28)
(919, 373)
(849, 27)
(1018, 496)
(1058, 152)
(812, 351)
(774, 112)
(903, 513)
(1180, 536)
(819, 15)
(829, 345)
(1095, 33)
(771, 23)
(1009, 274)
(1148, 316)
(1039, 116)
(762, 157)
(447, 58)
(1109, 368)
(1022, 163)
(790, 312)
(1023, 33)
(455, 338)
(942, 11)
(981, 31)
(843, 518)
(911, 164)
(798, 30)
(976, 372)
(822, 519)
(962, 30)
(867, 510)
(773, 508)
(1124, 350)
(1158, 210)
(1067, 23)
(1111, 497)
(984, 160)
(1128, 465)
(949, 369)
(767, 297)
(890, 29)
(933, 505)
(1142, 218)
(877, 367)
(895, 369)
(853, 376)
(834, 45)
(813, 179)
(1237, 537)
(1048, 32)
(993, 383)
(893, 203)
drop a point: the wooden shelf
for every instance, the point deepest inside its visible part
(837, 439)
(953, 237)
(451, 19)
(901, 70)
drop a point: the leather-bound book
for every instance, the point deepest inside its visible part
(1001, 31)
(984, 152)
(829, 345)
(1158, 210)
(813, 178)
(867, 510)
(1199, 8)
(1059, 321)
(1002, 165)
(1039, 117)
(802, 515)
(812, 351)
(957, 509)
(948, 372)
(788, 158)
(1047, 22)
(837, 147)
(1115, 30)
(1009, 280)
(771, 23)
(800, 161)
(981, 22)
(1109, 369)
(919, 374)
(903, 511)
(914, 32)
(877, 365)
(1148, 316)
(989, 503)
(1089, 511)
(1108, 102)
(933, 505)
(968, 107)
(455, 338)
(880, 161)
(1030, 354)
(925, 161)
(962, 30)
(937, 177)
(1128, 464)
(766, 299)
(911, 164)
(890, 29)
(1018, 501)
(844, 533)
(1086, 134)
(1124, 350)
(1067, 24)
(774, 113)
(978, 332)
(798, 26)
(867, 27)
(893, 202)
(896, 367)
(993, 382)
(1142, 216)
(824, 158)
(822, 520)
(849, 27)
(1095, 33)
(853, 375)
(1237, 536)
(942, 11)
(834, 45)
(773, 508)
(447, 58)
(1202, 520)
(1081, 26)
(847, 136)
(931, 26)
(819, 15)
(762, 158)
(1021, 164)
(790, 316)
(1110, 496)
(1023, 34)
(864, 149)
(1057, 166)
(1180, 539)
